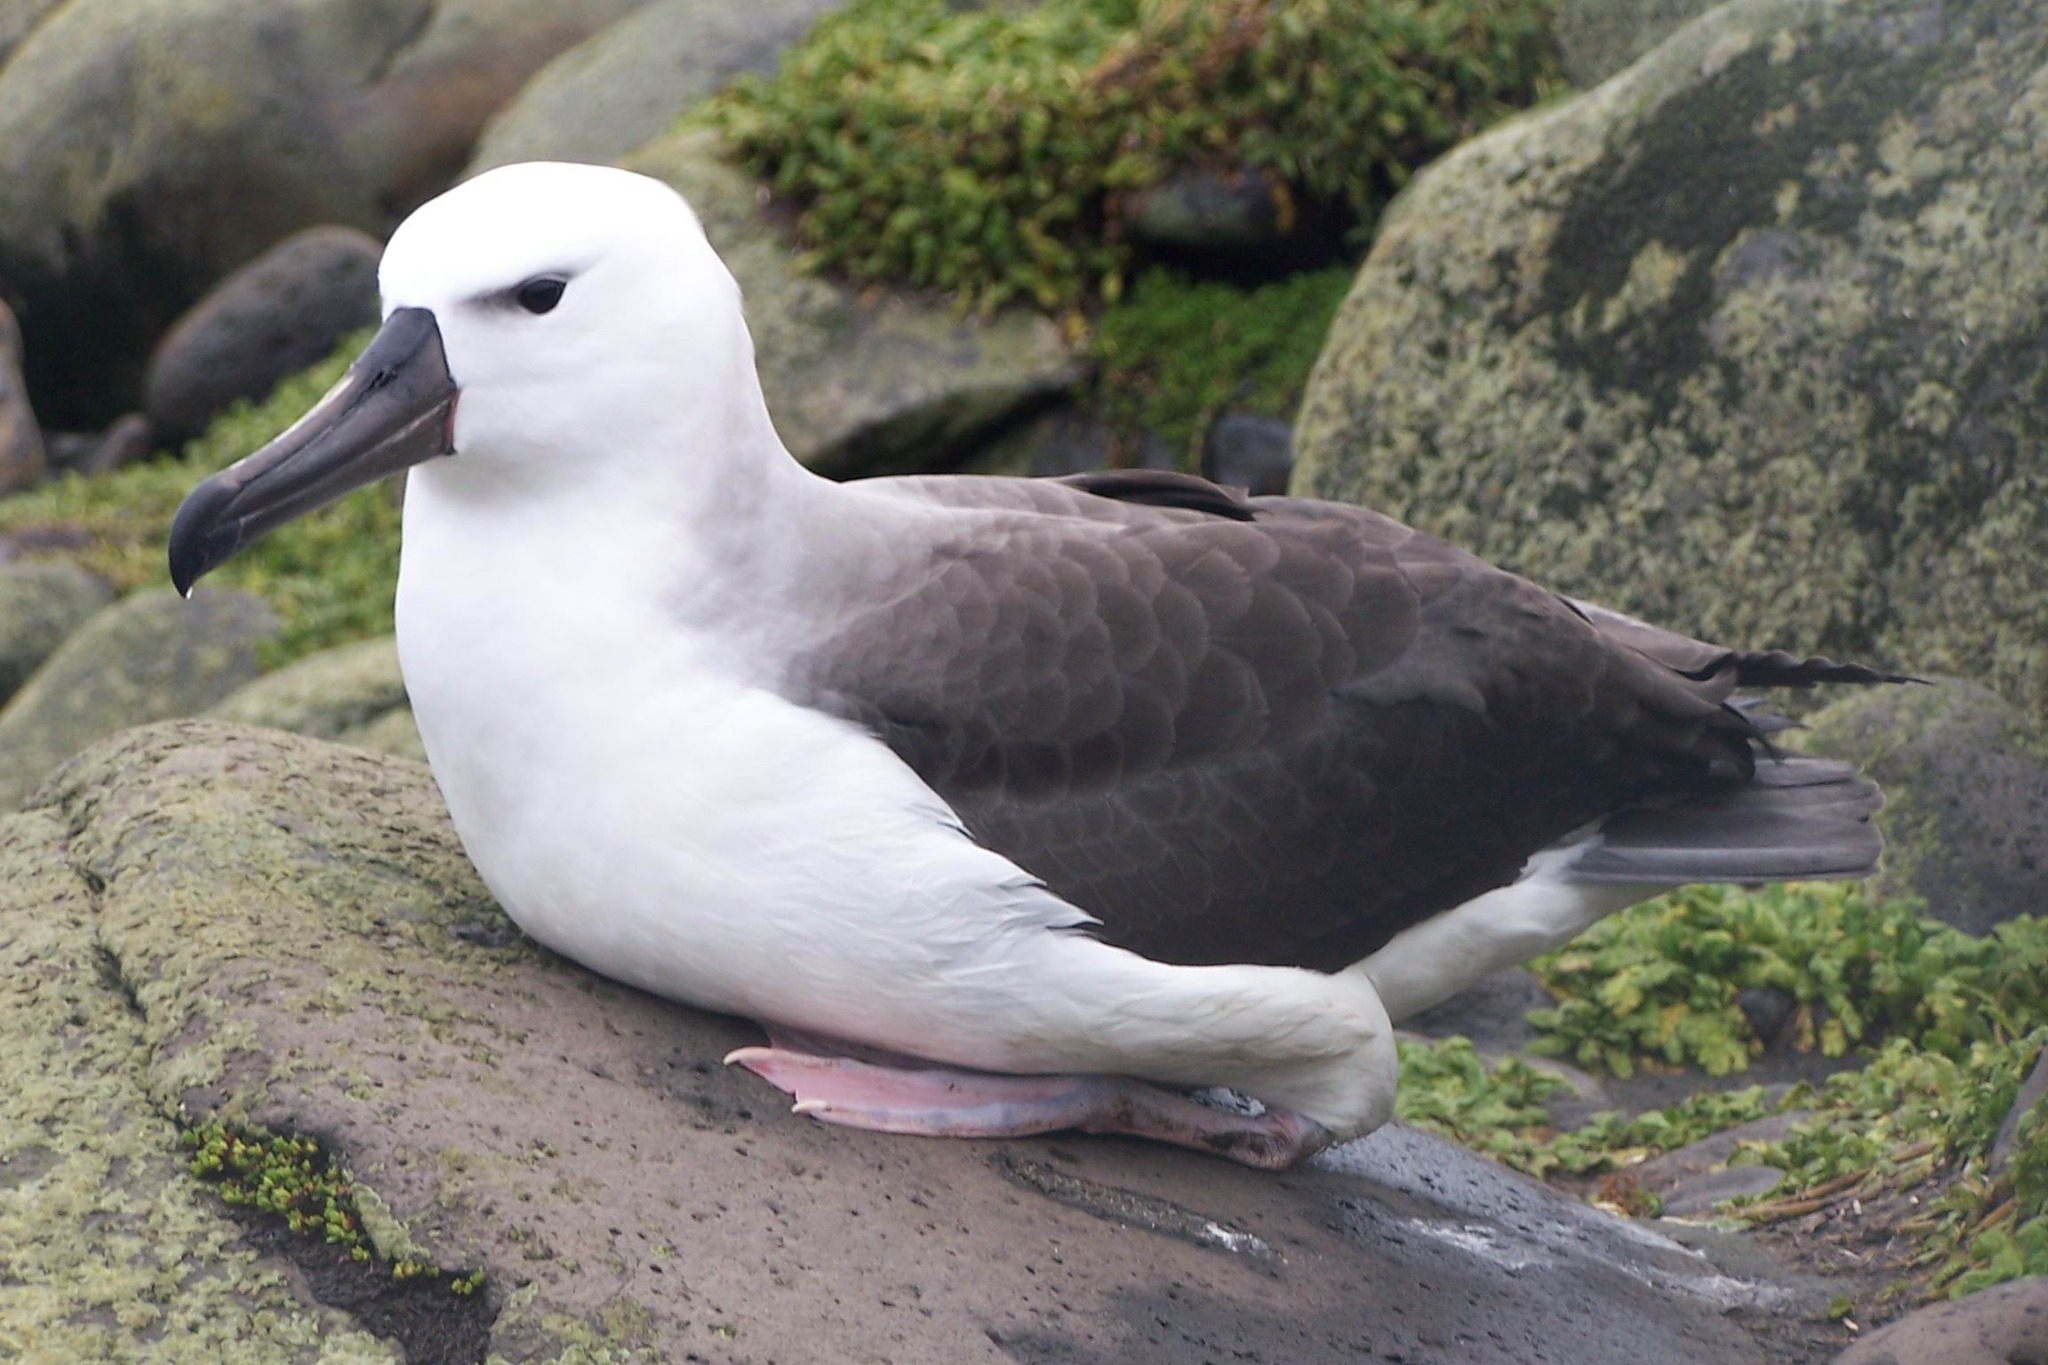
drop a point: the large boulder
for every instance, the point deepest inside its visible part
(41, 604)
(632, 81)
(283, 311)
(1965, 780)
(148, 147)
(147, 657)
(859, 382)
(21, 439)
(2006, 1324)
(1746, 341)
(213, 923)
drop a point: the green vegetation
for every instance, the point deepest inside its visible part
(1965, 1020)
(292, 1179)
(1660, 980)
(330, 575)
(1175, 353)
(988, 152)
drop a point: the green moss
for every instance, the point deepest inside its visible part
(294, 1180)
(1660, 980)
(331, 575)
(1174, 353)
(987, 152)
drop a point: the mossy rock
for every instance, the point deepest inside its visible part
(243, 927)
(1747, 341)
(859, 382)
(1965, 780)
(147, 657)
(323, 695)
(41, 604)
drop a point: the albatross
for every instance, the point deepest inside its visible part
(1006, 805)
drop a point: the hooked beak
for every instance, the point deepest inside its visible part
(395, 408)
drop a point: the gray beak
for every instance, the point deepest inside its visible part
(395, 408)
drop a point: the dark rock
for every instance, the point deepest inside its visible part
(1597, 38)
(1688, 1167)
(1746, 341)
(257, 925)
(272, 318)
(1965, 779)
(2006, 1324)
(148, 147)
(863, 382)
(149, 656)
(1242, 225)
(1491, 1011)
(1766, 1009)
(41, 604)
(629, 83)
(21, 440)
(1248, 452)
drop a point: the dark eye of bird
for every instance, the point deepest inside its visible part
(541, 293)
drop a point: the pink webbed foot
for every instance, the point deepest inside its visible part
(905, 1095)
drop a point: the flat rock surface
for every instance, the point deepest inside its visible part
(215, 921)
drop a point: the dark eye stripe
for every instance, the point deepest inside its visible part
(541, 293)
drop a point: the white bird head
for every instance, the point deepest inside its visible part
(516, 306)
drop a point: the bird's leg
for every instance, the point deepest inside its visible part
(894, 1094)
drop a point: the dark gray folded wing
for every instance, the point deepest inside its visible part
(1276, 731)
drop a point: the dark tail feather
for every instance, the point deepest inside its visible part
(1797, 819)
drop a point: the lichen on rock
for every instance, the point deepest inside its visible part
(1746, 341)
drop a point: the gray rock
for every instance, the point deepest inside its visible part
(1683, 1167)
(17, 17)
(132, 437)
(21, 440)
(1699, 1193)
(1249, 452)
(285, 932)
(1597, 38)
(146, 657)
(281, 312)
(1492, 1011)
(2006, 1324)
(860, 381)
(41, 604)
(1744, 341)
(629, 84)
(148, 147)
(324, 695)
(2032, 1091)
(394, 732)
(1965, 779)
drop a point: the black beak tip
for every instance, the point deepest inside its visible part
(202, 537)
